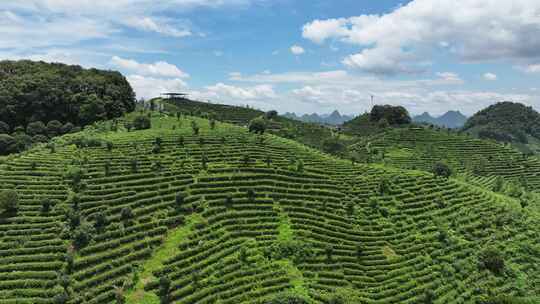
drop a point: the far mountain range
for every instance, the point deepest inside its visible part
(334, 118)
(450, 119)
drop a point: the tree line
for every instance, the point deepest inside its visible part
(41, 100)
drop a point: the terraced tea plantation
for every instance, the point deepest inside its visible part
(165, 215)
(420, 148)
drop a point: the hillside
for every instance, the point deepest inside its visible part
(420, 148)
(508, 122)
(226, 216)
(312, 134)
(41, 100)
(450, 119)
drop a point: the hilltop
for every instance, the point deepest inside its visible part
(508, 122)
(376, 121)
(450, 119)
(218, 214)
(312, 134)
(41, 100)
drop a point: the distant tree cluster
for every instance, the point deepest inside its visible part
(40, 100)
(389, 115)
(506, 122)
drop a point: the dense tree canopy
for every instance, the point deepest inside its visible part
(506, 121)
(38, 91)
(394, 115)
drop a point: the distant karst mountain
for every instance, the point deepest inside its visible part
(450, 119)
(334, 118)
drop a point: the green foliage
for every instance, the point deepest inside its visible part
(394, 115)
(492, 259)
(9, 201)
(142, 122)
(258, 125)
(441, 169)
(64, 93)
(7, 144)
(287, 298)
(82, 235)
(506, 122)
(333, 145)
(36, 128)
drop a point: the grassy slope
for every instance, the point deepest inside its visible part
(397, 229)
(481, 160)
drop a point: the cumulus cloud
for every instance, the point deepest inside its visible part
(53, 23)
(489, 76)
(159, 68)
(158, 25)
(150, 87)
(297, 50)
(351, 93)
(471, 30)
(221, 90)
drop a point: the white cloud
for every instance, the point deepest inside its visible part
(159, 68)
(150, 87)
(472, 30)
(350, 93)
(489, 76)
(244, 93)
(53, 23)
(161, 26)
(297, 50)
(532, 68)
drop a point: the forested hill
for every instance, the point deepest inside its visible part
(37, 91)
(506, 122)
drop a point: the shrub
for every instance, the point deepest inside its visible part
(9, 201)
(100, 220)
(4, 128)
(126, 213)
(7, 144)
(212, 124)
(287, 297)
(492, 259)
(228, 201)
(429, 297)
(257, 125)
(54, 128)
(45, 205)
(134, 166)
(179, 199)
(36, 128)
(142, 122)
(40, 138)
(61, 298)
(82, 236)
(441, 169)
(333, 146)
(251, 195)
(110, 146)
(164, 288)
(329, 252)
(271, 114)
(67, 128)
(195, 127)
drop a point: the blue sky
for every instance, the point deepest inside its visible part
(304, 56)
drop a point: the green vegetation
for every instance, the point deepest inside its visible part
(39, 101)
(223, 215)
(378, 120)
(507, 122)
